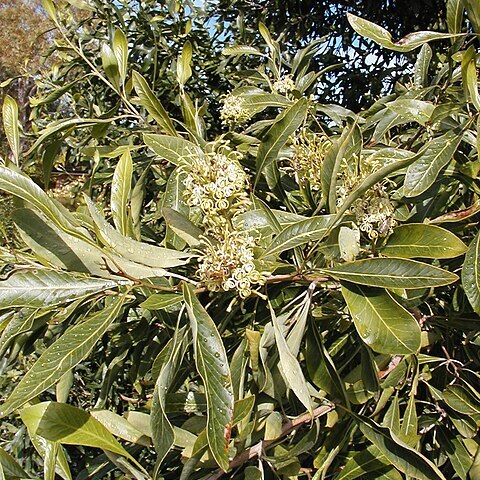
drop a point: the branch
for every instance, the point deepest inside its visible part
(258, 449)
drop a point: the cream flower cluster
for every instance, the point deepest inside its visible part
(374, 212)
(228, 264)
(309, 150)
(284, 85)
(217, 184)
(234, 112)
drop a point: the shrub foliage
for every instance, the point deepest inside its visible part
(276, 288)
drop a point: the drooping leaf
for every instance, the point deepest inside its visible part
(278, 134)
(150, 102)
(392, 273)
(63, 355)
(299, 233)
(140, 252)
(42, 287)
(121, 188)
(120, 427)
(212, 365)
(420, 74)
(423, 172)
(10, 125)
(62, 423)
(382, 37)
(461, 400)
(423, 241)
(182, 226)
(162, 430)
(11, 469)
(401, 456)
(290, 367)
(455, 12)
(471, 274)
(382, 323)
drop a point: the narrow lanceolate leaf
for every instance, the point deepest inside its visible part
(42, 287)
(184, 70)
(23, 187)
(121, 187)
(67, 352)
(10, 125)
(120, 49)
(150, 102)
(175, 150)
(363, 462)
(140, 252)
(212, 365)
(455, 9)
(162, 430)
(382, 37)
(242, 50)
(62, 423)
(11, 469)
(299, 233)
(290, 367)
(471, 274)
(382, 323)
(110, 65)
(424, 171)
(423, 241)
(392, 273)
(401, 456)
(351, 139)
(278, 134)
(461, 400)
(258, 102)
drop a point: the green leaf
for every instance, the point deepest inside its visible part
(212, 365)
(10, 125)
(162, 430)
(161, 301)
(49, 7)
(423, 241)
(120, 49)
(471, 274)
(350, 140)
(278, 134)
(382, 37)
(290, 367)
(110, 66)
(23, 187)
(392, 273)
(364, 462)
(184, 70)
(182, 226)
(63, 355)
(11, 469)
(62, 423)
(149, 101)
(455, 11)
(415, 110)
(423, 172)
(420, 73)
(461, 400)
(175, 150)
(259, 102)
(120, 427)
(140, 252)
(409, 429)
(42, 287)
(121, 188)
(401, 456)
(299, 233)
(242, 50)
(382, 323)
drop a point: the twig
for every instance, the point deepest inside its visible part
(258, 449)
